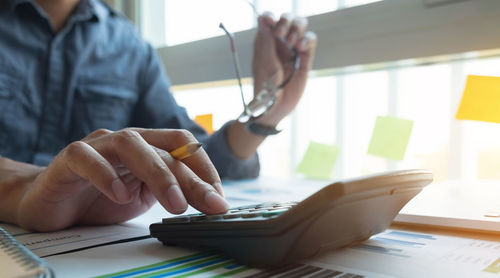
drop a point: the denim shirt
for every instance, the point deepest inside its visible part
(97, 72)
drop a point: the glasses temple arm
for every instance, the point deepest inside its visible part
(236, 64)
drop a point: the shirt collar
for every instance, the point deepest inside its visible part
(86, 9)
(13, 4)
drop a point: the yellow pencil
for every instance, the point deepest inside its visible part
(185, 151)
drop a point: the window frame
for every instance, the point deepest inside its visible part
(358, 35)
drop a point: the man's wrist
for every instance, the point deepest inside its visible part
(261, 129)
(16, 179)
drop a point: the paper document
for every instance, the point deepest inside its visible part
(46, 244)
(150, 258)
(408, 254)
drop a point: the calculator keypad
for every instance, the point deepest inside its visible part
(244, 213)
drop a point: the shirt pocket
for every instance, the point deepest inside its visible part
(15, 124)
(102, 104)
(8, 86)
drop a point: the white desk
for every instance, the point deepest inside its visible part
(433, 253)
(464, 205)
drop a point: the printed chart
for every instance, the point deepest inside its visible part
(213, 265)
(411, 254)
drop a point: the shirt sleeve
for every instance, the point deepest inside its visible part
(157, 108)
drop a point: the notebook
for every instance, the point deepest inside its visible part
(458, 205)
(17, 261)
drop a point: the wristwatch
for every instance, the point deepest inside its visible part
(260, 129)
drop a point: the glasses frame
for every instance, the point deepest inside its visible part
(265, 99)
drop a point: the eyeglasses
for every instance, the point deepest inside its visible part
(277, 80)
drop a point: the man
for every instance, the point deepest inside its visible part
(73, 76)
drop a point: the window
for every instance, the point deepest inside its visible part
(366, 67)
(173, 22)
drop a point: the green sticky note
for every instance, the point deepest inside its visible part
(390, 137)
(318, 161)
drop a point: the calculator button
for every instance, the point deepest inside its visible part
(178, 219)
(245, 211)
(265, 205)
(246, 207)
(231, 216)
(280, 208)
(274, 212)
(198, 217)
(214, 217)
(251, 214)
(258, 209)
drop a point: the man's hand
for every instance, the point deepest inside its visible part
(110, 177)
(268, 57)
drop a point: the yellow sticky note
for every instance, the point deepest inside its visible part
(206, 122)
(318, 161)
(481, 99)
(390, 137)
(494, 267)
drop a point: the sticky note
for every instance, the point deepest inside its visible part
(481, 99)
(318, 161)
(205, 121)
(493, 267)
(390, 137)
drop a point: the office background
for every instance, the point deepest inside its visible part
(403, 58)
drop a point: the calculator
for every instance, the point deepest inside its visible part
(277, 233)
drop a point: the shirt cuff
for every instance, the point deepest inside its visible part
(228, 165)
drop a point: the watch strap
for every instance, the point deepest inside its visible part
(260, 129)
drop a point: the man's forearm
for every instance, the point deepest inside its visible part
(15, 177)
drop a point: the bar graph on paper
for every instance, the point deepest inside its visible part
(461, 255)
(213, 265)
(389, 254)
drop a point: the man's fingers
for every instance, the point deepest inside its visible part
(88, 164)
(199, 162)
(97, 134)
(307, 48)
(297, 31)
(143, 161)
(201, 195)
(266, 18)
(283, 26)
(308, 42)
(141, 156)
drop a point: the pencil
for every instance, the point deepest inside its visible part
(185, 151)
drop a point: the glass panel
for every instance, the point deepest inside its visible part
(313, 7)
(366, 98)
(189, 20)
(481, 137)
(277, 7)
(316, 115)
(275, 153)
(352, 3)
(314, 120)
(424, 96)
(223, 102)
